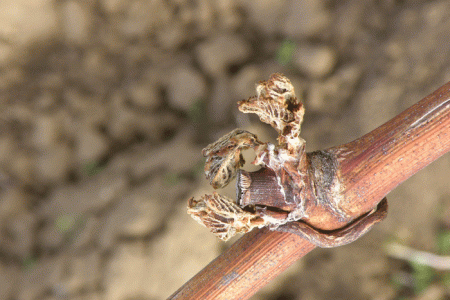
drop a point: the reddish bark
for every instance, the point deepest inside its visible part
(369, 168)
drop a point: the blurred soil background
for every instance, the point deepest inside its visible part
(105, 106)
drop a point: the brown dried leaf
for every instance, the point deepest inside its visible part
(222, 216)
(277, 105)
(224, 156)
(270, 112)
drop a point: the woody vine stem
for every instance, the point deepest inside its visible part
(300, 200)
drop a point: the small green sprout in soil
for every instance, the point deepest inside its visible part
(65, 223)
(423, 277)
(443, 242)
(285, 52)
(92, 168)
(29, 262)
(197, 111)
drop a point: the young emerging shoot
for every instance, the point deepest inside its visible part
(297, 179)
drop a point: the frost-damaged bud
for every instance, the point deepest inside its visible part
(224, 156)
(222, 216)
(277, 195)
(277, 105)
